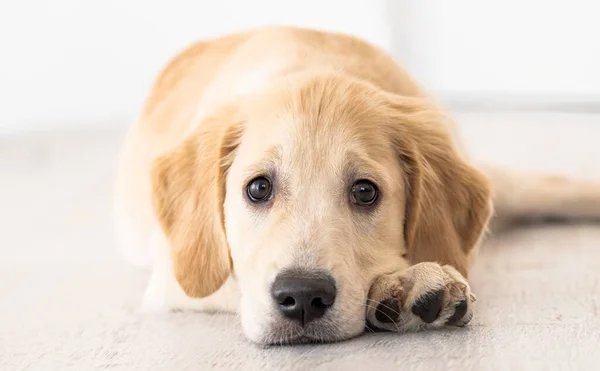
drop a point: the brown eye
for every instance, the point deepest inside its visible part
(259, 189)
(364, 193)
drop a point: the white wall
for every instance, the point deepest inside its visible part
(80, 62)
(86, 62)
(530, 49)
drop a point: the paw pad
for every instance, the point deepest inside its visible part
(388, 311)
(428, 307)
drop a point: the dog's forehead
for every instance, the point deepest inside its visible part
(297, 141)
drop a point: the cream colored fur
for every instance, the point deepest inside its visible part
(314, 109)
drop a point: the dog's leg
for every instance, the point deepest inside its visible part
(425, 296)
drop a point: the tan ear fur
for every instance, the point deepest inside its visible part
(448, 201)
(188, 190)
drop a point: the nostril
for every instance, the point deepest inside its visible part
(288, 302)
(318, 303)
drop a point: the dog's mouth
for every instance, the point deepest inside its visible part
(322, 332)
(300, 340)
(285, 338)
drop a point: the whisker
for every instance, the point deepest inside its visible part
(368, 305)
(386, 306)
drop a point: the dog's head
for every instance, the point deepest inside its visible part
(308, 193)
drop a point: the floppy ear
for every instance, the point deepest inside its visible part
(188, 190)
(448, 201)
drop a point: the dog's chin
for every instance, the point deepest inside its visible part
(284, 332)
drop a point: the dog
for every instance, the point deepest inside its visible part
(303, 179)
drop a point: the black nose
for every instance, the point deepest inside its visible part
(303, 296)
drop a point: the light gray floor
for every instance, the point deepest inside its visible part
(67, 303)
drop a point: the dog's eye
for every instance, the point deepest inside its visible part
(364, 193)
(259, 189)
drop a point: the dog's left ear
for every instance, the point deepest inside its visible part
(188, 190)
(448, 202)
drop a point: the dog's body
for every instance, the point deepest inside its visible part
(310, 111)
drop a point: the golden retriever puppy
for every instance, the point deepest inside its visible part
(303, 179)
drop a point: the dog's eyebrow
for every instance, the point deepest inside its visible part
(274, 152)
(268, 164)
(361, 167)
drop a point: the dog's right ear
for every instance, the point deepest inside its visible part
(188, 191)
(449, 203)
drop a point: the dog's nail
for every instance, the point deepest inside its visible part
(387, 311)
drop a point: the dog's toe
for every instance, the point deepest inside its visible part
(460, 310)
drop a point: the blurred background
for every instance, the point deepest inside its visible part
(73, 63)
(522, 78)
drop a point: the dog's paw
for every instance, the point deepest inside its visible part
(425, 296)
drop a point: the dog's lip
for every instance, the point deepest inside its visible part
(303, 339)
(301, 335)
